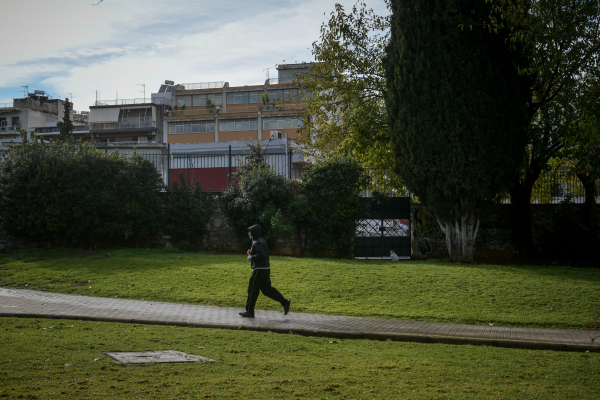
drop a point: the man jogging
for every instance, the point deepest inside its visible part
(260, 280)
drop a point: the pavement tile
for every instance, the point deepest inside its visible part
(15, 302)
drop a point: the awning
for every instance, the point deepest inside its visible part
(104, 114)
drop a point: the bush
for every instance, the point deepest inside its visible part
(262, 197)
(76, 194)
(188, 211)
(332, 204)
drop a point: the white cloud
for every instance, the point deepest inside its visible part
(74, 47)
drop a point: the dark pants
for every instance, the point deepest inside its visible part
(260, 281)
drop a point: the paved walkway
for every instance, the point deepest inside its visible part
(29, 303)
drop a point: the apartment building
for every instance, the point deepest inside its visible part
(35, 111)
(215, 114)
(219, 119)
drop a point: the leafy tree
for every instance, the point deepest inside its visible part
(66, 126)
(457, 109)
(345, 112)
(561, 40)
(188, 211)
(582, 149)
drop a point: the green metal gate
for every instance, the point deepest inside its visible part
(387, 227)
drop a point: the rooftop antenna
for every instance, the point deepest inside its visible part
(144, 85)
(267, 69)
(25, 90)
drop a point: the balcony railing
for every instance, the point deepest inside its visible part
(152, 143)
(125, 123)
(236, 109)
(278, 81)
(6, 105)
(10, 128)
(121, 102)
(283, 107)
(203, 85)
(192, 113)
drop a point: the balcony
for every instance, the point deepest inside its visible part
(10, 128)
(122, 102)
(125, 123)
(283, 107)
(124, 144)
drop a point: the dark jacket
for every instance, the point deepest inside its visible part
(259, 252)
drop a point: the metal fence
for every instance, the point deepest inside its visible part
(215, 171)
(556, 186)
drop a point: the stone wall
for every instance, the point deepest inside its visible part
(494, 239)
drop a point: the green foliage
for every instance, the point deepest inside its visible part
(322, 208)
(188, 211)
(560, 40)
(457, 108)
(259, 198)
(330, 203)
(73, 193)
(66, 126)
(346, 112)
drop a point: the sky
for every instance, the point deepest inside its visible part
(73, 48)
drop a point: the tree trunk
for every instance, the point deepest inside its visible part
(460, 237)
(520, 200)
(591, 192)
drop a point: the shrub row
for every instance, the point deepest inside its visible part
(323, 207)
(74, 194)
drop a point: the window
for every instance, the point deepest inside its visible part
(192, 127)
(196, 100)
(283, 94)
(184, 101)
(290, 74)
(282, 122)
(241, 124)
(142, 139)
(244, 97)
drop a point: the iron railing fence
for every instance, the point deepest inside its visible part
(6, 105)
(215, 171)
(552, 187)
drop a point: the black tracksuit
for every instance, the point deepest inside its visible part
(260, 280)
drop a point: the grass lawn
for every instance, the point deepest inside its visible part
(51, 359)
(525, 296)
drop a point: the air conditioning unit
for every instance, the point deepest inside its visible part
(276, 135)
(152, 133)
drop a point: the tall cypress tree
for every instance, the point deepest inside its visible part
(66, 126)
(457, 109)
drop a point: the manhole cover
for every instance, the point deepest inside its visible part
(169, 356)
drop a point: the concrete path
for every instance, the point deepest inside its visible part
(29, 303)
